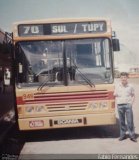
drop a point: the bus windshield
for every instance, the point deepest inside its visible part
(44, 60)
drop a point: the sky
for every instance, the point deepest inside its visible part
(124, 15)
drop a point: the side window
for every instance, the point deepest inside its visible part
(97, 46)
(106, 53)
(21, 65)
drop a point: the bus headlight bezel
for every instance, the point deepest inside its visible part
(34, 109)
(98, 105)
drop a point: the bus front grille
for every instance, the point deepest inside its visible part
(66, 107)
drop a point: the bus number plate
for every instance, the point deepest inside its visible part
(67, 121)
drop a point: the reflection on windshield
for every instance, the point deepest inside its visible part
(43, 61)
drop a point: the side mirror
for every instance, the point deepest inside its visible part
(116, 44)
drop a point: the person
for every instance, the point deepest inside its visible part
(125, 96)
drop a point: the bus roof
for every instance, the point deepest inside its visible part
(58, 20)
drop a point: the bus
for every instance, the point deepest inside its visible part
(63, 73)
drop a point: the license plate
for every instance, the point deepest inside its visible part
(67, 121)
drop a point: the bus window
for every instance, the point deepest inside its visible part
(92, 57)
(45, 63)
(85, 55)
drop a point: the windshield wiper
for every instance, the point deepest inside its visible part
(45, 82)
(82, 75)
(42, 85)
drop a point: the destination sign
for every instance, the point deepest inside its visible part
(62, 28)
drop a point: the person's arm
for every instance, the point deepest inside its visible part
(133, 95)
(115, 92)
(133, 98)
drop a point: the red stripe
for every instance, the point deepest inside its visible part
(65, 93)
(73, 95)
(19, 100)
(67, 98)
(62, 101)
(108, 95)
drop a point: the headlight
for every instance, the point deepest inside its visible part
(29, 109)
(35, 109)
(93, 105)
(39, 109)
(103, 105)
(98, 105)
